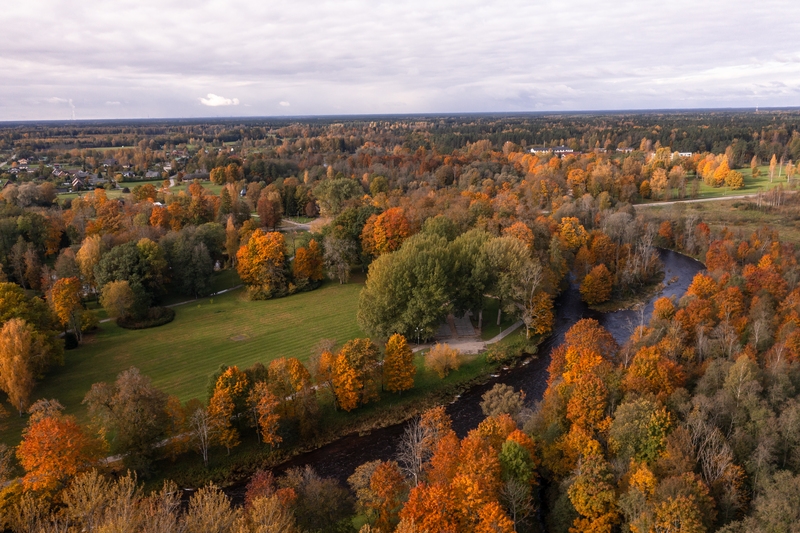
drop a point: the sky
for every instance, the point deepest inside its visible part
(90, 59)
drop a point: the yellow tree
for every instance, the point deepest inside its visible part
(772, 164)
(398, 365)
(572, 233)
(88, 256)
(65, 301)
(18, 346)
(592, 493)
(346, 384)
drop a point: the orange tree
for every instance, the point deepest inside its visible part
(596, 286)
(261, 263)
(54, 448)
(398, 365)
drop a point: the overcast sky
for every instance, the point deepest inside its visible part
(170, 58)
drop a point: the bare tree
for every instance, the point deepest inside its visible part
(201, 424)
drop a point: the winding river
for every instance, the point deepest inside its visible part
(340, 458)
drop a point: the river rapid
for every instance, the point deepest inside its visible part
(340, 458)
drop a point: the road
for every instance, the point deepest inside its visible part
(721, 198)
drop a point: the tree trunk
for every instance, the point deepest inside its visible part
(499, 312)
(480, 321)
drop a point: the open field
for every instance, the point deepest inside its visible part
(740, 215)
(752, 185)
(225, 329)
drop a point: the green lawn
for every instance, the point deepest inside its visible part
(225, 329)
(752, 185)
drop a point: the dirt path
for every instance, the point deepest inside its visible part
(297, 225)
(719, 199)
(473, 345)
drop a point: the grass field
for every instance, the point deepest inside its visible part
(740, 215)
(752, 185)
(225, 329)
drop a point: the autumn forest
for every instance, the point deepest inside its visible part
(399, 264)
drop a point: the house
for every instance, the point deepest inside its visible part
(128, 174)
(167, 167)
(77, 183)
(152, 174)
(625, 150)
(22, 161)
(96, 181)
(110, 162)
(556, 150)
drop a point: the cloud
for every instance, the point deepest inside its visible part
(285, 104)
(214, 100)
(365, 57)
(114, 103)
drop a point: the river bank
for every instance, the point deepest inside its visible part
(339, 458)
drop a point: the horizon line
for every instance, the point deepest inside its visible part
(635, 111)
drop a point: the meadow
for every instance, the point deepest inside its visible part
(224, 329)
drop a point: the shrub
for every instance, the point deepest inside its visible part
(505, 352)
(155, 316)
(443, 359)
(501, 399)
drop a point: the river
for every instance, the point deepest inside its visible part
(340, 458)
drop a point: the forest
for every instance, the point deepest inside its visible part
(689, 424)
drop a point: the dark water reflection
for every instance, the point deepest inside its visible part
(340, 458)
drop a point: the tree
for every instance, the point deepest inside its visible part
(411, 290)
(54, 448)
(19, 346)
(200, 422)
(386, 232)
(734, 180)
(261, 264)
(65, 300)
(88, 257)
(346, 384)
(538, 314)
(118, 299)
(338, 256)
(398, 365)
(332, 194)
(264, 405)
(572, 233)
(134, 412)
(269, 208)
(209, 512)
(592, 493)
(356, 373)
(501, 399)
(220, 412)
(596, 286)
(772, 164)
(308, 264)
(443, 359)
(231, 241)
(388, 486)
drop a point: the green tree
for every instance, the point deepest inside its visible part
(133, 412)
